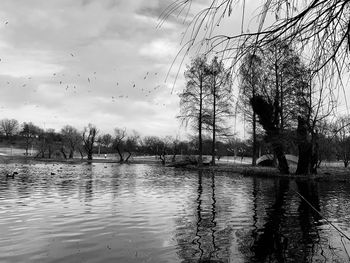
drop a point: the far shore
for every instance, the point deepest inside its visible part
(324, 173)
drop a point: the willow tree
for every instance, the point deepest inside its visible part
(193, 97)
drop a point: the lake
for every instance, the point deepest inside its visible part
(147, 213)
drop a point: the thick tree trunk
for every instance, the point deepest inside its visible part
(282, 161)
(254, 140)
(89, 155)
(268, 119)
(308, 149)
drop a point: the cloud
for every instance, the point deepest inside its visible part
(80, 61)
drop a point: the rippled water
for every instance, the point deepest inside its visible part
(147, 213)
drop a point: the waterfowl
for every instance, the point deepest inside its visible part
(11, 175)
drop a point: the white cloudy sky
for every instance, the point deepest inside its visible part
(77, 61)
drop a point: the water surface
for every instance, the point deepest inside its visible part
(147, 213)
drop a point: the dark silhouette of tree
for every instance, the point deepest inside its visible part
(118, 143)
(9, 127)
(342, 139)
(106, 140)
(71, 139)
(192, 99)
(89, 136)
(29, 132)
(131, 144)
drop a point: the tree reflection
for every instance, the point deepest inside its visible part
(269, 243)
(288, 230)
(197, 240)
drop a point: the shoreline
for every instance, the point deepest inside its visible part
(338, 174)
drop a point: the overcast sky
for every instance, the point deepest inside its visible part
(93, 61)
(81, 61)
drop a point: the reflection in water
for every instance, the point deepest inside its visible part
(269, 242)
(203, 247)
(145, 213)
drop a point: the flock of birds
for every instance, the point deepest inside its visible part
(123, 92)
(134, 90)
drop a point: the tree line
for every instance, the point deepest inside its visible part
(70, 142)
(288, 108)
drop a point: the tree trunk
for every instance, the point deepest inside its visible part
(282, 161)
(200, 146)
(129, 154)
(89, 155)
(254, 140)
(71, 154)
(308, 149)
(214, 126)
(63, 153)
(121, 159)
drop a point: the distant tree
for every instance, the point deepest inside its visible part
(9, 127)
(192, 99)
(342, 139)
(89, 137)
(131, 144)
(118, 143)
(48, 142)
(156, 146)
(106, 140)
(71, 139)
(29, 131)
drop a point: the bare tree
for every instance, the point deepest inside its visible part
(29, 131)
(118, 144)
(9, 127)
(221, 101)
(71, 140)
(89, 136)
(131, 144)
(192, 99)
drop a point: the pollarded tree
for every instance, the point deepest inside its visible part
(89, 137)
(192, 99)
(220, 101)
